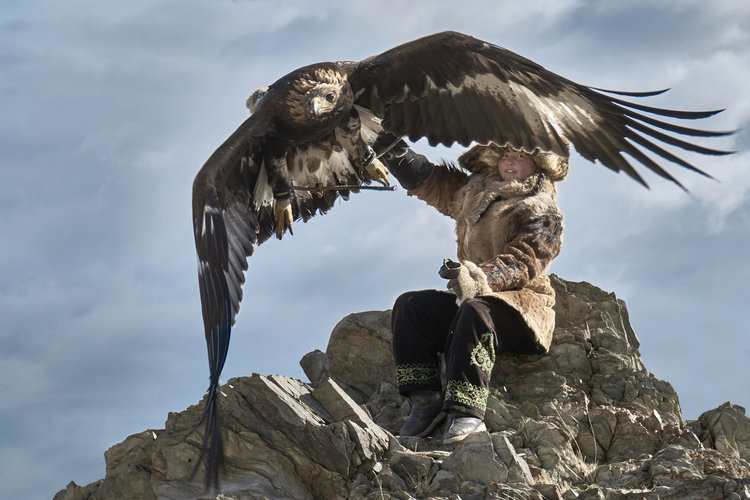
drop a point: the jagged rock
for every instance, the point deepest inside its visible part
(474, 460)
(282, 440)
(585, 421)
(359, 353)
(518, 469)
(725, 429)
(315, 366)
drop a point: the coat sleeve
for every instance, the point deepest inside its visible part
(536, 242)
(439, 190)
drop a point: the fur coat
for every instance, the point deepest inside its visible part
(512, 230)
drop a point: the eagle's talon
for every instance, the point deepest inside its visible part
(282, 212)
(378, 172)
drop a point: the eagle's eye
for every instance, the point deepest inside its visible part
(330, 97)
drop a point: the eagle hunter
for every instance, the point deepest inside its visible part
(315, 135)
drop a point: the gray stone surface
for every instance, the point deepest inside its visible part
(358, 341)
(585, 421)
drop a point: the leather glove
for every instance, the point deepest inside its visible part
(465, 279)
(409, 168)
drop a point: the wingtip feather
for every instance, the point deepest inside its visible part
(647, 93)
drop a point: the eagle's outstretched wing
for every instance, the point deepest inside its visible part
(450, 87)
(233, 212)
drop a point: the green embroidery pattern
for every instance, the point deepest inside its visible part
(483, 354)
(417, 373)
(467, 394)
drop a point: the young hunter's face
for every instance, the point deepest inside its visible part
(515, 166)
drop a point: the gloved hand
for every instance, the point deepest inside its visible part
(409, 168)
(465, 279)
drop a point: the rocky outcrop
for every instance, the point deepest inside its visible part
(585, 421)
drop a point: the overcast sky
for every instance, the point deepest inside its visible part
(110, 108)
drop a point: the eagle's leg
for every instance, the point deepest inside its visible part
(362, 156)
(278, 178)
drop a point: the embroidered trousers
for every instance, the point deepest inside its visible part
(428, 322)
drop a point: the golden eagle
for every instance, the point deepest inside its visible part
(316, 133)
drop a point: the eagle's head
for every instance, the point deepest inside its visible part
(322, 99)
(320, 95)
(254, 99)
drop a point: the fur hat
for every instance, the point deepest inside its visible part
(487, 156)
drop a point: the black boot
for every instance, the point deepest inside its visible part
(426, 413)
(460, 425)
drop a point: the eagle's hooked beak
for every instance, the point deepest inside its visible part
(320, 105)
(317, 106)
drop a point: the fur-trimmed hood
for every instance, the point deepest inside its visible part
(483, 157)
